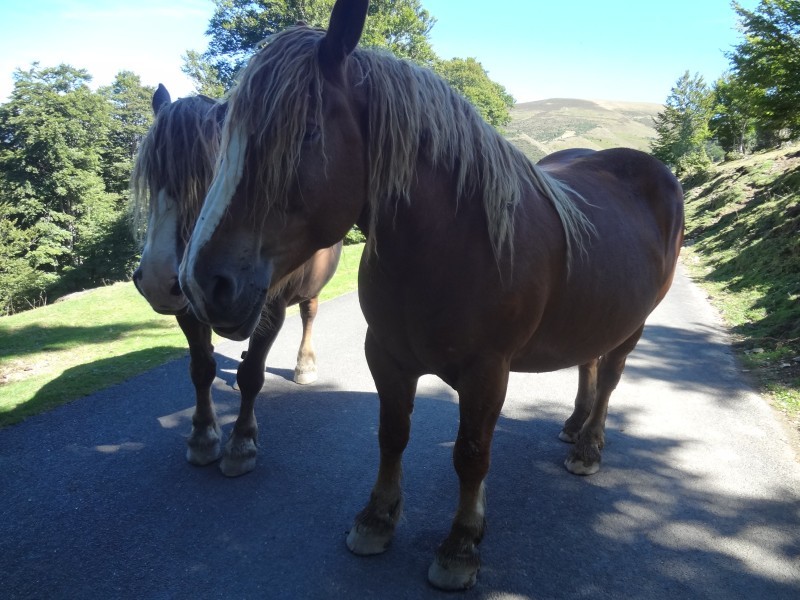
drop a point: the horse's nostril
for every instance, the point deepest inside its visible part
(223, 291)
(175, 290)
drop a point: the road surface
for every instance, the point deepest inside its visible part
(698, 495)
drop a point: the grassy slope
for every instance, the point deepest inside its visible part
(743, 246)
(94, 339)
(545, 126)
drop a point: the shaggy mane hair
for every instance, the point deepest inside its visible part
(413, 115)
(177, 155)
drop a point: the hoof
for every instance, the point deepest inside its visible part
(305, 377)
(457, 573)
(578, 467)
(584, 458)
(364, 542)
(204, 449)
(569, 438)
(582, 466)
(204, 456)
(373, 529)
(239, 458)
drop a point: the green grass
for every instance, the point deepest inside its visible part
(92, 340)
(743, 232)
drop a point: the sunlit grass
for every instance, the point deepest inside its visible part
(89, 341)
(742, 227)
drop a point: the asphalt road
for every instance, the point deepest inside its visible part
(698, 496)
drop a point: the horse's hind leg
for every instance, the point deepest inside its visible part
(374, 526)
(204, 440)
(481, 391)
(584, 459)
(241, 450)
(306, 370)
(584, 401)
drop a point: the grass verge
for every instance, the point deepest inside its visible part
(743, 247)
(91, 340)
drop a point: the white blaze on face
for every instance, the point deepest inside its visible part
(217, 201)
(159, 264)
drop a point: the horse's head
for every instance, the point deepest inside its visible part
(173, 168)
(291, 177)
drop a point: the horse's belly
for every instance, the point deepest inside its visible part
(562, 341)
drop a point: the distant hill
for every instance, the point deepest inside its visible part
(541, 127)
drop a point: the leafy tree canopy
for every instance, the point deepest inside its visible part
(131, 116)
(400, 26)
(682, 127)
(238, 27)
(733, 121)
(65, 156)
(469, 77)
(769, 58)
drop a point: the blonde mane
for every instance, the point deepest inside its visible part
(413, 115)
(177, 155)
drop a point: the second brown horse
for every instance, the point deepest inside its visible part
(172, 172)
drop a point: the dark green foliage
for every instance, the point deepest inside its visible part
(470, 78)
(682, 128)
(754, 106)
(65, 156)
(238, 27)
(402, 27)
(131, 115)
(354, 236)
(733, 122)
(768, 58)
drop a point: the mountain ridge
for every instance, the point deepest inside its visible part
(541, 127)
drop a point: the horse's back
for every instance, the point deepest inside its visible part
(622, 185)
(623, 268)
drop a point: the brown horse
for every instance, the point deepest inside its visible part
(172, 172)
(478, 262)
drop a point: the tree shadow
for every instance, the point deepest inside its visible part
(764, 234)
(34, 338)
(688, 359)
(78, 381)
(115, 507)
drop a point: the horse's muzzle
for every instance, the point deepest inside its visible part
(232, 306)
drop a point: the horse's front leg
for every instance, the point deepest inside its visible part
(306, 370)
(241, 448)
(584, 401)
(374, 526)
(204, 440)
(584, 458)
(481, 391)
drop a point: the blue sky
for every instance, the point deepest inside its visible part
(611, 50)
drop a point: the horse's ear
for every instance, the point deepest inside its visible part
(160, 98)
(344, 30)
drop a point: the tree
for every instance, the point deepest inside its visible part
(769, 58)
(400, 26)
(682, 129)
(56, 209)
(470, 78)
(131, 117)
(238, 27)
(21, 283)
(733, 122)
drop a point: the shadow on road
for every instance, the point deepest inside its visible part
(687, 359)
(97, 506)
